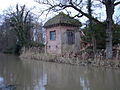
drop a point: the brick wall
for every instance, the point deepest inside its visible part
(53, 46)
(57, 46)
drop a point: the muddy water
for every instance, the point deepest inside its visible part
(37, 75)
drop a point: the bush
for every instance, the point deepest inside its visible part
(35, 44)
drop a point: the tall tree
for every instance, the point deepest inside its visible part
(21, 22)
(77, 5)
(110, 6)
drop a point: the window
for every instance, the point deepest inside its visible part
(52, 35)
(71, 37)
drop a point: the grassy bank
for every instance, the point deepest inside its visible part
(80, 59)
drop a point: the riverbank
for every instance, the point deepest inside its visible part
(82, 58)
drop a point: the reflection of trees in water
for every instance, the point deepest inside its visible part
(14, 71)
(61, 77)
(36, 75)
(103, 79)
(26, 75)
(9, 69)
(52, 76)
(67, 77)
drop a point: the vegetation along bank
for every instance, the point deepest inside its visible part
(82, 58)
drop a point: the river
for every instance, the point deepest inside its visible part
(38, 75)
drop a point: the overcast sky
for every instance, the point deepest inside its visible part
(4, 4)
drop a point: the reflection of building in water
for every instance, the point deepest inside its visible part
(62, 77)
(84, 83)
(36, 75)
(41, 83)
(51, 76)
(1, 82)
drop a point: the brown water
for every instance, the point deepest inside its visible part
(37, 75)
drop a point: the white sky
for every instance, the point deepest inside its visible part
(4, 4)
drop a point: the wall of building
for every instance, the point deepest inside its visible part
(53, 46)
(65, 46)
(60, 45)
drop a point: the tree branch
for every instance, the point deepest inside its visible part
(85, 14)
(77, 16)
(71, 4)
(117, 3)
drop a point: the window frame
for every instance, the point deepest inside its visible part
(52, 35)
(70, 37)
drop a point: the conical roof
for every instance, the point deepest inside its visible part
(62, 19)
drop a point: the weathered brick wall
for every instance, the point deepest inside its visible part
(53, 46)
(70, 48)
(59, 45)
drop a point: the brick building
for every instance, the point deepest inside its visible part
(62, 34)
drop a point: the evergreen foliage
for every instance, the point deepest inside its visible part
(100, 35)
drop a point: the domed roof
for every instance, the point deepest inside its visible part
(62, 19)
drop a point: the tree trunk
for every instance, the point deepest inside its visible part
(109, 40)
(109, 21)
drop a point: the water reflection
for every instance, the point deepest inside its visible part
(84, 84)
(36, 75)
(1, 80)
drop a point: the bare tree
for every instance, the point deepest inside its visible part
(79, 7)
(20, 21)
